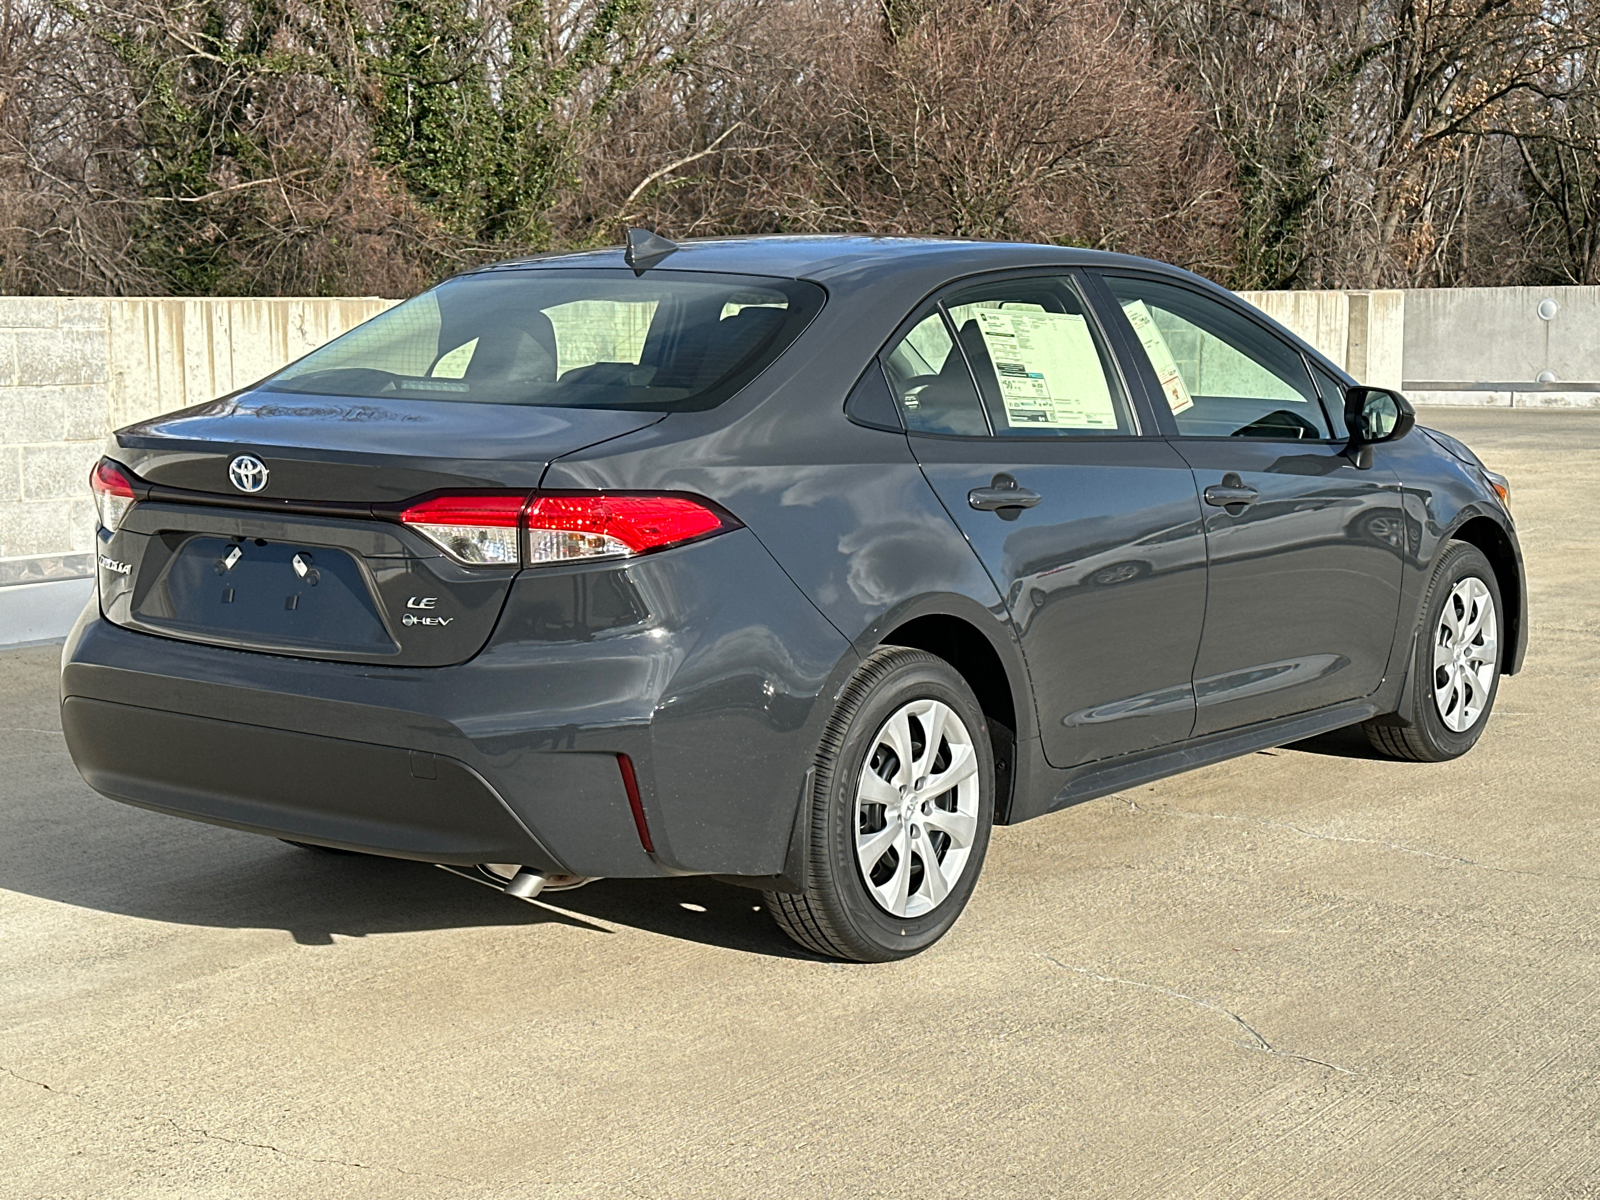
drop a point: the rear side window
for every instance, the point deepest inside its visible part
(663, 342)
(930, 381)
(1039, 361)
(1014, 358)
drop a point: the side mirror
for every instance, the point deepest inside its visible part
(1372, 415)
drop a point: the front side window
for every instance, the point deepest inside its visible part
(1220, 373)
(1332, 400)
(665, 341)
(1038, 359)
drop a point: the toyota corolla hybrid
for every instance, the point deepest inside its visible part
(801, 562)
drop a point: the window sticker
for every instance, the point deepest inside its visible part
(1161, 359)
(1049, 373)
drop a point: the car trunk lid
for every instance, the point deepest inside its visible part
(314, 562)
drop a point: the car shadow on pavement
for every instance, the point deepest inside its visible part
(60, 842)
(690, 908)
(1350, 742)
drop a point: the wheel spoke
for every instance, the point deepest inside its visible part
(876, 790)
(898, 889)
(963, 766)
(1442, 656)
(1486, 651)
(1449, 619)
(897, 733)
(933, 720)
(1445, 696)
(933, 879)
(877, 844)
(958, 825)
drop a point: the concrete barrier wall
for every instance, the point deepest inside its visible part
(1506, 347)
(72, 370)
(168, 354)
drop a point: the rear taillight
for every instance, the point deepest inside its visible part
(113, 493)
(511, 530)
(482, 531)
(564, 528)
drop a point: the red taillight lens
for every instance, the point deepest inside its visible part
(481, 531)
(565, 528)
(113, 493)
(487, 530)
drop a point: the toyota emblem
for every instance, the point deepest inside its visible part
(248, 473)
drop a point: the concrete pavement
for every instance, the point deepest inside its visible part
(1304, 973)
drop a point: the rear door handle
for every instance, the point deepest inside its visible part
(1003, 492)
(1232, 490)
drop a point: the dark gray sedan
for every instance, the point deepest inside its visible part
(799, 562)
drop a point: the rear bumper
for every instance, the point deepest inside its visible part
(708, 680)
(335, 792)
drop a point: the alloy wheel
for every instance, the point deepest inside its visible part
(916, 810)
(1466, 654)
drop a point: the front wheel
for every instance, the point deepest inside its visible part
(899, 813)
(1456, 667)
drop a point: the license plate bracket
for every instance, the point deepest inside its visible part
(264, 593)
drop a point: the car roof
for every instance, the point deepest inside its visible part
(826, 258)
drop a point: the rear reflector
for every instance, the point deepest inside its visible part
(113, 493)
(630, 784)
(481, 531)
(564, 528)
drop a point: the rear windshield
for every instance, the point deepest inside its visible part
(661, 342)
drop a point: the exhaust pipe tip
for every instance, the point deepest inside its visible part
(526, 884)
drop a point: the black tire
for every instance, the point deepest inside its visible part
(837, 915)
(1418, 732)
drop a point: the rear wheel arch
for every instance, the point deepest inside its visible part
(1491, 540)
(974, 657)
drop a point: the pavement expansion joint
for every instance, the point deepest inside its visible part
(38, 1083)
(1257, 1042)
(207, 1135)
(336, 1162)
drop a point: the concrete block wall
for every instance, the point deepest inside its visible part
(54, 401)
(73, 369)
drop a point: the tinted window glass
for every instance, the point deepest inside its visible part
(664, 341)
(931, 383)
(1222, 374)
(1039, 361)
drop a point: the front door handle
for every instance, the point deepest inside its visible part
(1003, 492)
(1232, 490)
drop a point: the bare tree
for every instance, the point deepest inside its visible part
(1031, 119)
(375, 145)
(1558, 144)
(68, 148)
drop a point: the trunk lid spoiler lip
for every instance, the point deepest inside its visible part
(140, 438)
